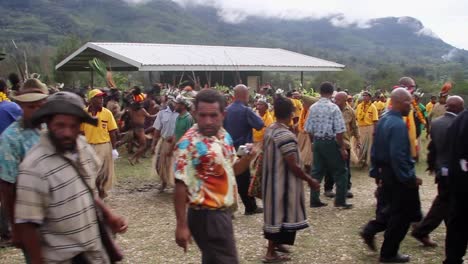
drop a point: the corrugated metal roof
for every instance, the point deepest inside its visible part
(174, 57)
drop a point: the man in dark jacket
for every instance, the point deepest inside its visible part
(391, 158)
(438, 161)
(239, 122)
(457, 228)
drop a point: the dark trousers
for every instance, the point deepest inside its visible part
(4, 224)
(404, 208)
(329, 182)
(213, 232)
(243, 182)
(457, 229)
(327, 159)
(438, 212)
(379, 224)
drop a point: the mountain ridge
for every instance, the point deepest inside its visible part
(389, 40)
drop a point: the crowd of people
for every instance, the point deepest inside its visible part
(57, 153)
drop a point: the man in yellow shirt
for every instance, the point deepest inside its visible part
(103, 139)
(295, 99)
(367, 116)
(431, 104)
(380, 104)
(262, 111)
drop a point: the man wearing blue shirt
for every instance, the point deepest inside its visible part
(392, 161)
(239, 122)
(16, 141)
(9, 111)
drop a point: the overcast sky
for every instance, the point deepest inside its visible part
(448, 19)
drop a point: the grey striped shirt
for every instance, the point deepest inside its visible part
(51, 194)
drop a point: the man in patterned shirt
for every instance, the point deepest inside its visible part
(15, 142)
(351, 131)
(55, 210)
(205, 169)
(326, 127)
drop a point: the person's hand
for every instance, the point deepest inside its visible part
(118, 224)
(313, 184)
(344, 154)
(183, 237)
(115, 154)
(251, 153)
(419, 181)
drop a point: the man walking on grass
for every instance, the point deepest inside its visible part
(103, 138)
(15, 142)
(326, 128)
(239, 122)
(56, 205)
(163, 140)
(205, 169)
(438, 163)
(393, 164)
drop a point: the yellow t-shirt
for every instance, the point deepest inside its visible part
(100, 134)
(297, 107)
(366, 114)
(429, 107)
(380, 106)
(267, 120)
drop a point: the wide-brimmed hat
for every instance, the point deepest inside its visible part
(63, 103)
(95, 92)
(33, 90)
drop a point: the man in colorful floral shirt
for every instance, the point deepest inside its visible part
(205, 169)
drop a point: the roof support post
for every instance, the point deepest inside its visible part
(302, 79)
(92, 78)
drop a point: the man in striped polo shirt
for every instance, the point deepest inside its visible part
(55, 208)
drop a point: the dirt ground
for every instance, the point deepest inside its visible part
(332, 238)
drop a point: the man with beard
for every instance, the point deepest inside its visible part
(392, 161)
(56, 208)
(103, 138)
(15, 142)
(205, 169)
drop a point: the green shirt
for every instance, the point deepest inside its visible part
(183, 123)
